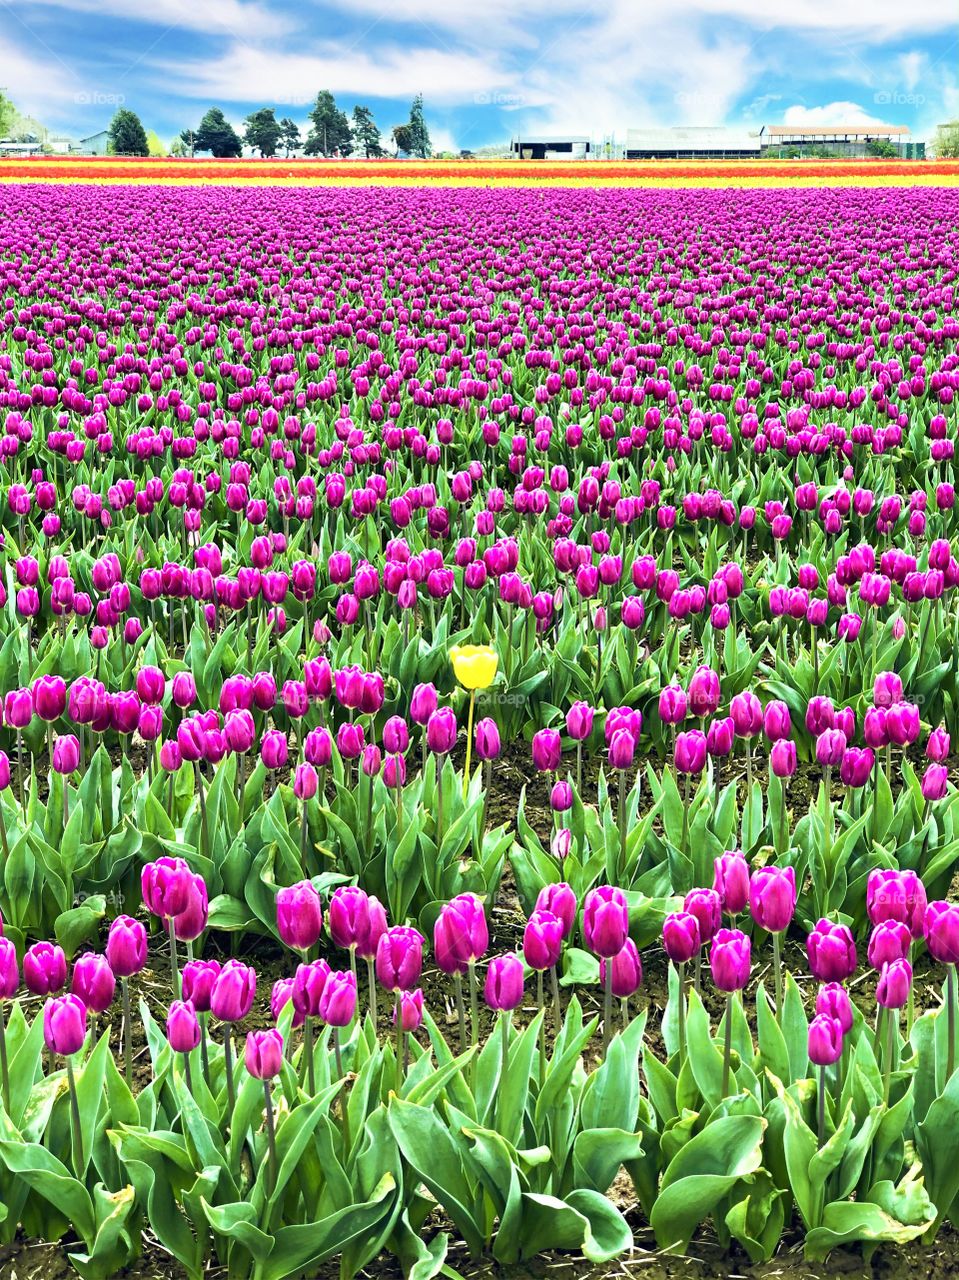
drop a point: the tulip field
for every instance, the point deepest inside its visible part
(478, 669)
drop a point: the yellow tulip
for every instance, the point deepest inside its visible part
(474, 665)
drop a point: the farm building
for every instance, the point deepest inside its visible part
(690, 142)
(95, 145)
(537, 147)
(852, 141)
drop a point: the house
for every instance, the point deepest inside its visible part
(537, 147)
(20, 147)
(692, 142)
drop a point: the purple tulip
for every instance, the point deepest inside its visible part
(233, 992)
(126, 948)
(299, 916)
(729, 960)
(308, 983)
(627, 976)
(940, 929)
(44, 969)
(824, 1040)
(772, 898)
(889, 941)
(560, 900)
(441, 731)
(690, 751)
(409, 1006)
(831, 951)
(263, 1053)
(183, 1027)
(894, 985)
(93, 981)
(681, 936)
(338, 1001)
(504, 982)
(399, 958)
(896, 895)
(782, 758)
(9, 973)
(460, 935)
(199, 979)
(605, 920)
(543, 940)
(731, 881)
(706, 905)
(166, 885)
(833, 1000)
(64, 1024)
(547, 750)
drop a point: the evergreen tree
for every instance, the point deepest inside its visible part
(330, 133)
(420, 144)
(289, 134)
(215, 134)
(366, 134)
(127, 135)
(263, 131)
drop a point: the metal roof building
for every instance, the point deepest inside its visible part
(537, 147)
(691, 142)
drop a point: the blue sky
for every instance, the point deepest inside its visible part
(487, 68)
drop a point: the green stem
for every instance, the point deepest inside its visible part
(270, 1133)
(398, 1016)
(608, 1006)
(951, 1020)
(371, 974)
(821, 1110)
(228, 1067)
(542, 1028)
(127, 1033)
(308, 1049)
(557, 1010)
(728, 1043)
(174, 967)
(4, 1067)
(474, 1005)
(887, 1063)
(344, 1111)
(778, 974)
(75, 1118)
(460, 1009)
(681, 969)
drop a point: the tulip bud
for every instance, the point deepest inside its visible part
(64, 1024)
(542, 940)
(681, 937)
(338, 1001)
(605, 920)
(504, 982)
(824, 1040)
(263, 1053)
(93, 981)
(831, 951)
(772, 898)
(729, 960)
(731, 881)
(299, 916)
(233, 992)
(182, 1027)
(627, 974)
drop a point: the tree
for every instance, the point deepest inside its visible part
(420, 144)
(366, 134)
(262, 131)
(154, 146)
(127, 135)
(8, 113)
(403, 138)
(946, 143)
(215, 134)
(331, 129)
(882, 148)
(289, 134)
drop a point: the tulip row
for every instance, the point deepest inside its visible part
(848, 1122)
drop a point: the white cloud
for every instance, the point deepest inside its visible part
(245, 72)
(242, 18)
(833, 113)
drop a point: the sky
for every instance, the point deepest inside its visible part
(488, 69)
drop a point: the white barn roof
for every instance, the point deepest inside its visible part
(692, 138)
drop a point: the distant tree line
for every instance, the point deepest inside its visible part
(332, 132)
